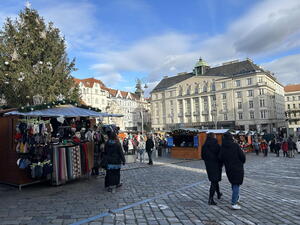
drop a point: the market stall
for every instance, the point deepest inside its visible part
(52, 144)
(187, 143)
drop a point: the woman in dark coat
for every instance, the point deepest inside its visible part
(149, 148)
(210, 153)
(114, 156)
(233, 158)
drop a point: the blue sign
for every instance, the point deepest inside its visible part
(196, 141)
(170, 142)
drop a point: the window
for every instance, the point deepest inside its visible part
(287, 98)
(205, 88)
(239, 94)
(180, 91)
(294, 106)
(249, 81)
(188, 90)
(213, 88)
(294, 98)
(223, 84)
(261, 91)
(225, 117)
(251, 115)
(223, 95)
(240, 116)
(239, 105)
(263, 114)
(288, 106)
(238, 83)
(224, 106)
(250, 93)
(299, 106)
(197, 89)
(262, 103)
(251, 105)
(260, 79)
(298, 98)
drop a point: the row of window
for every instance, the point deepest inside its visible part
(293, 98)
(238, 83)
(289, 106)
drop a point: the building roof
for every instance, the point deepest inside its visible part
(170, 81)
(234, 68)
(89, 82)
(292, 88)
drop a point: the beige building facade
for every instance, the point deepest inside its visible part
(292, 107)
(134, 107)
(238, 95)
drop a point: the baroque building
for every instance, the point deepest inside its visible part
(133, 106)
(237, 95)
(292, 107)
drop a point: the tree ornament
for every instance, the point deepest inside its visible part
(6, 74)
(43, 34)
(6, 63)
(25, 53)
(6, 82)
(14, 56)
(32, 41)
(41, 62)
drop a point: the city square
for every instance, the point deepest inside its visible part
(170, 192)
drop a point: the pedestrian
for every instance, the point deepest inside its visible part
(149, 149)
(210, 153)
(285, 148)
(141, 148)
(291, 147)
(272, 146)
(233, 158)
(114, 156)
(256, 146)
(125, 145)
(277, 147)
(264, 147)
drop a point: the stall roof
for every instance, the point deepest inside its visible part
(217, 131)
(64, 111)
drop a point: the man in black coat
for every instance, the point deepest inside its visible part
(210, 153)
(149, 147)
(233, 158)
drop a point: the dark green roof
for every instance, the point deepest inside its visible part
(227, 70)
(170, 81)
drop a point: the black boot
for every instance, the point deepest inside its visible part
(219, 195)
(211, 201)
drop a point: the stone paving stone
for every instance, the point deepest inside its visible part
(265, 187)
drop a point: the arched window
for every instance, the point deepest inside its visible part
(196, 89)
(188, 90)
(180, 91)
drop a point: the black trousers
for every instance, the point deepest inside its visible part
(214, 187)
(112, 177)
(150, 157)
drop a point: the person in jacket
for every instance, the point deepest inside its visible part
(114, 156)
(291, 147)
(277, 147)
(233, 158)
(149, 148)
(210, 153)
(264, 147)
(285, 148)
(298, 145)
(141, 148)
(256, 146)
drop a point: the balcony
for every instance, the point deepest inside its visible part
(223, 111)
(180, 114)
(187, 114)
(196, 113)
(205, 112)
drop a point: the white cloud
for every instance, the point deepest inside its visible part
(269, 27)
(286, 69)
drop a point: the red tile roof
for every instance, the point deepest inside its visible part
(292, 88)
(89, 82)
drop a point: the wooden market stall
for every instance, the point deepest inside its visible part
(187, 143)
(35, 146)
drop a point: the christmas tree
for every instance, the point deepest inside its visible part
(33, 61)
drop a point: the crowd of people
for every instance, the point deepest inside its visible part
(287, 146)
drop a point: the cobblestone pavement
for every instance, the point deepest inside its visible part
(164, 194)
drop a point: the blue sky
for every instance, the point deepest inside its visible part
(118, 41)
